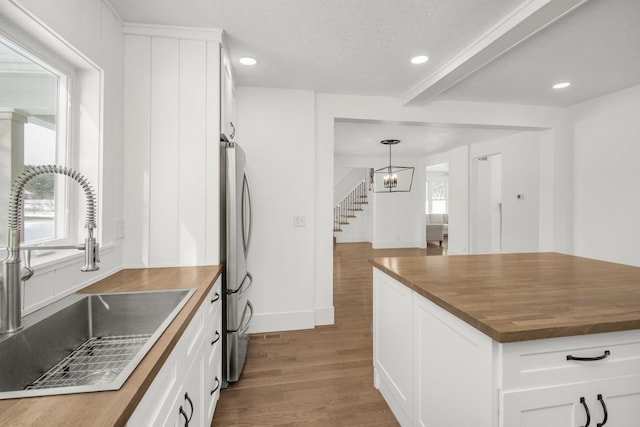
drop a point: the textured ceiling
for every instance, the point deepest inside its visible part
(335, 46)
(353, 138)
(363, 47)
(596, 48)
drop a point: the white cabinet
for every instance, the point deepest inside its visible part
(452, 372)
(228, 108)
(620, 398)
(434, 369)
(559, 406)
(428, 364)
(610, 402)
(392, 356)
(184, 391)
(171, 121)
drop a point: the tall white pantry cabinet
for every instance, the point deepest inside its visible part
(172, 138)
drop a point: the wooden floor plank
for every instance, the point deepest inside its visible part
(322, 376)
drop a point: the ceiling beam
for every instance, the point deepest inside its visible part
(531, 17)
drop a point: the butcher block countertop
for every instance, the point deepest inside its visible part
(521, 297)
(113, 408)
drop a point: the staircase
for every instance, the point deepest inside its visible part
(347, 208)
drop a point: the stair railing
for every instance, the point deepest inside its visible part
(348, 207)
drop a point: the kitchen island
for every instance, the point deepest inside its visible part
(507, 340)
(114, 408)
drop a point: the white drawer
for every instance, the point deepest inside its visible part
(214, 299)
(557, 360)
(212, 382)
(213, 312)
(213, 341)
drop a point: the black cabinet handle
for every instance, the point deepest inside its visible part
(604, 409)
(188, 399)
(586, 410)
(606, 354)
(233, 130)
(217, 386)
(184, 415)
(215, 298)
(216, 339)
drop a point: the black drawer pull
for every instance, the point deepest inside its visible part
(184, 415)
(215, 298)
(586, 410)
(604, 409)
(216, 339)
(188, 399)
(606, 354)
(216, 387)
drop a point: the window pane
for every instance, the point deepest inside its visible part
(30, 89)
(39, 195)
(439, 206)
(438, 197)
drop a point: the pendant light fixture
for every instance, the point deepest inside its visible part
(393, 179)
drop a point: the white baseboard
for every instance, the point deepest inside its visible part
(352, 239)
(324, 316)
(397, 245)
(286, 321)
(291, 320)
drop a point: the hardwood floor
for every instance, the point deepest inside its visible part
(322, 376)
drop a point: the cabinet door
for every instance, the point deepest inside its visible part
(453, 370)
(188, 408)
(560, 406)
(392, 344)
(620, 398)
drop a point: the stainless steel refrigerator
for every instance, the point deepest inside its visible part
(235, 237)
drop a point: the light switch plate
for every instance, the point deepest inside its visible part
(299, 221)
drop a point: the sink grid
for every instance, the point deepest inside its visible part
(96, 361)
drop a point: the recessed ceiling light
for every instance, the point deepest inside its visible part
(419, 59)
(561, 85)
(247, 60)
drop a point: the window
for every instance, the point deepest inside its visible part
(34, 102)
(437, 196)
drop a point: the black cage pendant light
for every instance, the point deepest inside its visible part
(393, 179)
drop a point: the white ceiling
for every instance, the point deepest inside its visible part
(355, 137)
(508, 51)
(596, 48)
(335, 46)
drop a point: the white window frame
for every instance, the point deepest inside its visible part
(65, 215)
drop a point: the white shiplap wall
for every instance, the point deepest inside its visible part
(172, 113)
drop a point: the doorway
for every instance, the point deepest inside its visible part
(486, 204)
(437, 200)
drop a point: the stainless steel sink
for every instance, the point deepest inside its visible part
(85, 343)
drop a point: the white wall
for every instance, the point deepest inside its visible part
(171, 131)
(606, 132)
(276, 129)
(91, 38)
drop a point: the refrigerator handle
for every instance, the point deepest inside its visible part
(244, 328)
(246, 228)
(241, 289)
